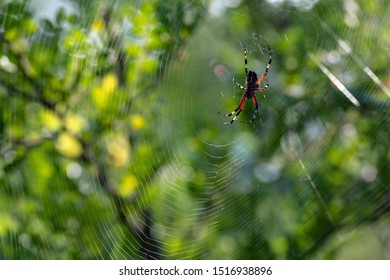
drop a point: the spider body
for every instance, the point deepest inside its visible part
(252, 84)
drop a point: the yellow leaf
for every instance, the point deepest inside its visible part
(74, 123)
(51, 121)
(97, 25)
(99, 99)
(68, 145)
(109, 83)
(137, 122)
(101, 95)
(119, 151)
(128, 185)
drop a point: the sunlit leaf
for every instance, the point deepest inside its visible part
(128, 185)
(99, 99)
(137, 122)
(51, 121)
(68, 145)
(118, 149)
(75, 123)
(97, 25)
(109, 83)
(7, 224)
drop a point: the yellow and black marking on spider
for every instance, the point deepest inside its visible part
(252, 84)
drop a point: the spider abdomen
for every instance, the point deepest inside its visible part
(251, 84)
(249, 93)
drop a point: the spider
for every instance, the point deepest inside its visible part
(251, 85)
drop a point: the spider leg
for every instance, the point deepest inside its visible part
(240, 86)
(235, 117)
(256, 105)
(246, 62)
(266, 69)
(237, 111)
(264, 88)
(232, 113)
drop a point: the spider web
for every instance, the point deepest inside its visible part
(307, 179)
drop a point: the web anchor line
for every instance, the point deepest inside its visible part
(336, 82)
(357, 59)
(317, 193)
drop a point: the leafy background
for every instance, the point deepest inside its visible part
(112, 148)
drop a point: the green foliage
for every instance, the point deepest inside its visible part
(111, 146)
(70, 148)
